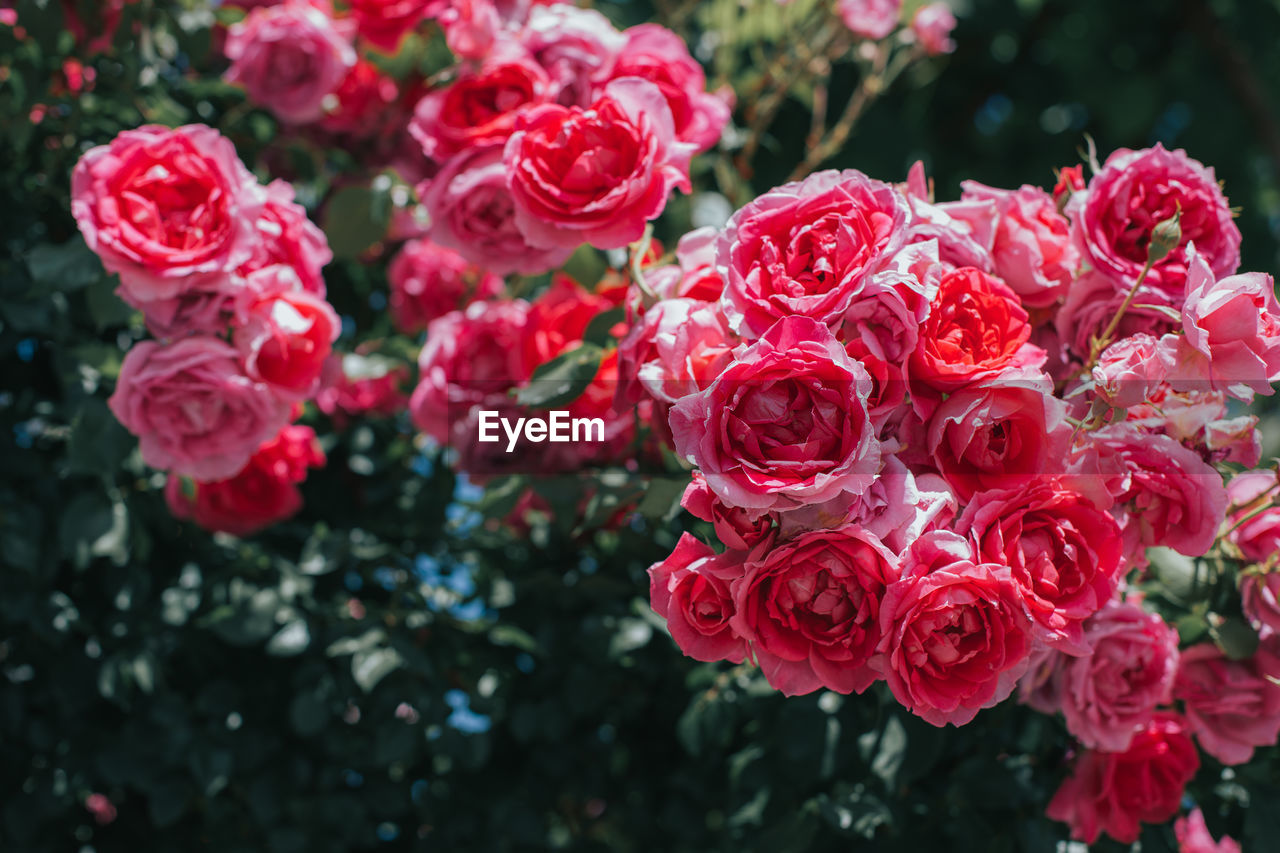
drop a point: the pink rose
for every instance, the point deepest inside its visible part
(362, 386)
(810, 609)
(1165, 494)
(998, 436)
(263, 493)
(1090, 304)
(806, 248)
(1129, 371)
(954, 636)
(870, 19)
(1113, 792)
(428, 281)
(473, 214)
(932, 25)
(784, 425)
(690, 589)
(1193, 836)
(654, 53)
(170, 211)
(481, 106)
(577, 47)
(976, 330)
(1063, 551)
(365, 103)
(285, 334)
(1032, 250)
(472, 357)
(685, 344)
(1254, 494)
(193, 409)
(1232, 706)
(286, 236)
(1232, 332)
(1113, 219)
(1114, 690)
(739, 529)
(598, 175)
(289, 57)
(696, 256)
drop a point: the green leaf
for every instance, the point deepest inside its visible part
(107, 310)
(369, 666)
(98, 444)
(597, 331)
(1234, 636)
(290, 640)
(563, 379)
(66, 266)
(662, 498)
(352, 222)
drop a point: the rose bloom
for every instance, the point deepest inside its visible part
(690, 589)
(1113, 792)
(739, 529)
(1193, 836)
(1113, 220)
(576, 47)
(1165, 494)
(998, 436)
(1129, 371)
(679, 347)
(362, 386)
(472, 357)
(263, 493)
(1110, 693)
(1258, 538)
(976, 329)
(1232, 706)
(481, 106)
(559, 317)
(1232, 327)
(286, 237)
(169, 211)
(285, 334)
(289, 57)
(192, 408)
(954, 635)
(805, 248)
(1063, 551)
(429, 281)
(932, 26)
(810, 609)
(1090, 304)
(1070, 181)
(598, 175)
(870, 19)
(365, 102)
(654, 53)
(472, 213)
(385, 23)
(784, 425)
(1032, 251)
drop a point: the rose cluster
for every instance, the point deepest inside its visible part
(227, 276)
(555, 129)
(936, 441)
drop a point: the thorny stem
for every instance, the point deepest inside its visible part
(1101, 342)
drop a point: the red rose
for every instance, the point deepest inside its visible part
(953, 633)
(690, 589)
(596, 175)
(785, 424)
(1113, 792)
(810, 608)
(976, 329)
(481, 106)
(739, 529)
(385, 23)
(263, 493)
(285, 336)
(1063, 550)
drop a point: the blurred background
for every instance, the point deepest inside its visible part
(391, 670)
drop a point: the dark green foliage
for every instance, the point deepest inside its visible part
(390, 670)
